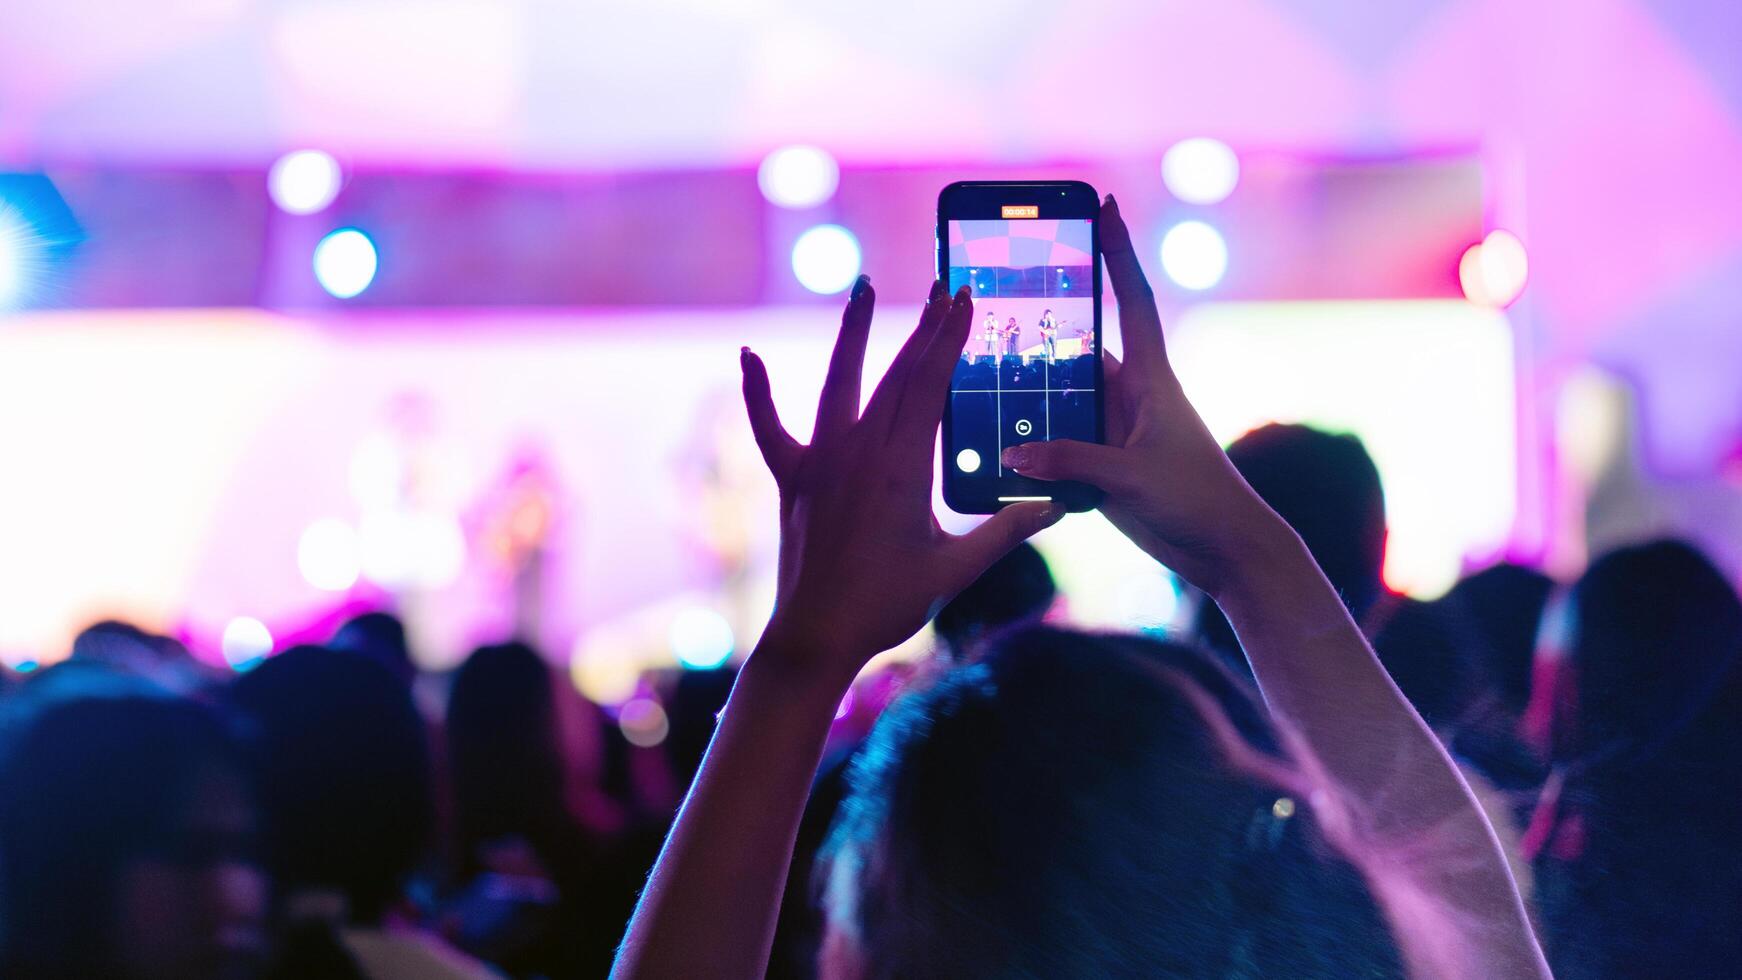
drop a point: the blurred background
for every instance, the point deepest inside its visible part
(324, 306)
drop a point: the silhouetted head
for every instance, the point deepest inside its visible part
(1503, 606)
(1327, 488)
(511, 745)
(380, 637)
(1656, 634)
(127, 844)
(1017, 587)
(344, 775)
(1076, 805)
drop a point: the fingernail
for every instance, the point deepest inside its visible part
(1017, 457)
(938, 290)
(1110, 200)
(1051, 515)
(744, 357)
(962, 295)
(859, 285)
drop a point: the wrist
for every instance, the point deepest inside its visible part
(1263, 551)
(803, 663)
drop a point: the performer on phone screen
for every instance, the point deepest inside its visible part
(991, 334)
(1049, 335)
(1013, 331)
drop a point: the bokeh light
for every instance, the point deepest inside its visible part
(798, 176)
(304, 181)
(345, 262)
(644, 723)
(329, 555)
(1193, 255)
(604, 668)
(701, 639)
(246, 642)
(826, 259)
(1493, 272)
(1200, 170)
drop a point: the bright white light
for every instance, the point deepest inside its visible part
(329, 555)
(419, 549)
(701, 638)
(644, 723)
(798, 176)
(1194, 255)
(18, 253)
(826, 259)
(304, 181)
(246, 642)
(603, 667)
(1200, 171)
(345, 262)
(968, 461)
(1493, 272)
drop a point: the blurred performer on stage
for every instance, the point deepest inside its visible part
(991, 335)
(519, 518)
(1086, 340)
(1013, 337)
(1049, 335)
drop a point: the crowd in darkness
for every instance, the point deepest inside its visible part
(1031, 800)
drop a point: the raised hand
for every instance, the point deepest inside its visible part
(863, 562)
(1169, 486)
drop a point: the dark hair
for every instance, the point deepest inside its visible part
(1656, 640)
(89, 784)
(1061, 807)
(380, 637)
(1326, 487)
(1640, 867)
(1503, 604)
(344, 772)
(1017, 587)
(504, 758)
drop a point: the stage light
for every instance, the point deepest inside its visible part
(643, 723)
(826, 259)
(245, 643)
(1194, 255)
(18, 252)
(304, 181)
(418, 549)
(1200, 170)
(1493, 271)
(604, 668)
(701, 638)
(345, 262)
(329, 555)
(798, 176)
(1504, 265)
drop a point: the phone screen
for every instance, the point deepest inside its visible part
(1030, 370)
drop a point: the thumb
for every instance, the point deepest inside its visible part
(1069, 459)
(1005, 530)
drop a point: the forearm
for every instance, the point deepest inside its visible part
(712, 901)
(1409, 802)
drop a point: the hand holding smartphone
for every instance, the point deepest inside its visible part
(1029, 254)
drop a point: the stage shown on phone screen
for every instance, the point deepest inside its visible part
(1028, 370)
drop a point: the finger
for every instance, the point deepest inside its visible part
(838, 408)
(1003, 531)
(779, 450)
(1068, 459)
(1117, 426)
(922, 403)
(1139, 322)
(886, 397)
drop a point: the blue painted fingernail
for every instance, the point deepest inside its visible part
(859, 285)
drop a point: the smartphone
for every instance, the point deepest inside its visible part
(1030, 255)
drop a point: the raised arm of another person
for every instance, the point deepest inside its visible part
(1431, 853)
(863, 563)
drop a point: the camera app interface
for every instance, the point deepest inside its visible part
(1028, 372)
